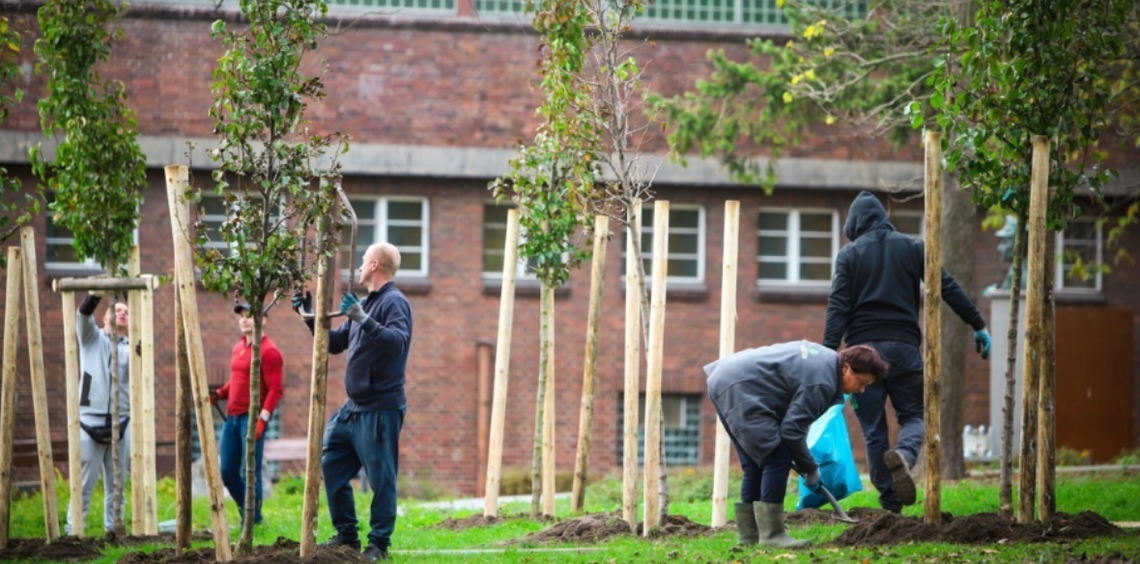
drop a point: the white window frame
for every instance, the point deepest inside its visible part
(912, 213)
(88, 265)
(380, 229)
(1060, 262)
(792, 256)
(521, 272)
(702, 230)
(220, 245)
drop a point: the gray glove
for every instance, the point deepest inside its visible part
(813, 480)
(350, 306)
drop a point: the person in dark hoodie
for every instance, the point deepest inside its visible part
(365, 432)
(767, 398)
(874, 301)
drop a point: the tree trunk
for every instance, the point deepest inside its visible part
(540, 403)
(116, 465)
(1047, 426)
(245, 543)
(632, 374)
(183, 419)
(958, 220)
(1006, 494)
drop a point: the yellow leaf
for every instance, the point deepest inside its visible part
(828, 52)
(780, 3)
(790, 44)
(796, 79)
(809, 75)
(787, 97)
(830, 120)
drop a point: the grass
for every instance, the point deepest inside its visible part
(1113, 495)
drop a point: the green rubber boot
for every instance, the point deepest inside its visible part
(770, 521)
(746, 523)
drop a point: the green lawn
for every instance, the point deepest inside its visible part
(1114, 495)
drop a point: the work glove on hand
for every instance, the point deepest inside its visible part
(350, 306)
(813, 481)
(213, 397)
(302, 302)
(982, 342)
(260, 428)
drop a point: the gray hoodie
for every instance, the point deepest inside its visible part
(95, 374)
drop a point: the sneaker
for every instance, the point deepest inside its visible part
(374, 553)
(904, 484)
(338, 541)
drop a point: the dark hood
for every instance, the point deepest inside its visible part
(866, 214)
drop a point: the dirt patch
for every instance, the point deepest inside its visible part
(283, 551)
(1100, 559)
(983, 528)
(471, 522)
(161, 538)
(64, 549)
(603, 526)
(811, 516)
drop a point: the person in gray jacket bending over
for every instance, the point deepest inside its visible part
(95, 404)
(767, 398)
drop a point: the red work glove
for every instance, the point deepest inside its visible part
(260, 428)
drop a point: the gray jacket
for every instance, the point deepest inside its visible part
(771, 394)
(95, 378)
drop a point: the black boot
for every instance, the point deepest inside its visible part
(746, 523)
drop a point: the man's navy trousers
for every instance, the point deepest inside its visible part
(368, 439)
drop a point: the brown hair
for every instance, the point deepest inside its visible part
(865, 360)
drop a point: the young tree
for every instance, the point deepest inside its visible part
(268, 174)
(99, 171)
(551, 179)
(13, 214)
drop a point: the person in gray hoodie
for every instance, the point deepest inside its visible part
(767, 398)
(95, 404)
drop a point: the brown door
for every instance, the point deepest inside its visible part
(1094, 380)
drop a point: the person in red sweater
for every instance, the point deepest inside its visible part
(236, 391)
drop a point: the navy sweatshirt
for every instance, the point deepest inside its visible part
(377, 351)
(875, 289)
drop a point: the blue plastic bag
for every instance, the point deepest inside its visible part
(830, 445)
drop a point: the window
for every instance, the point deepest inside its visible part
(750, 12)
(686, 255)
(1081, 240)
(797, 246)
(495, 242)
(498, 7)
(59, 247)
(681, 430)
(400, 5)
(911, 223)
(212, 210)
(399, 220)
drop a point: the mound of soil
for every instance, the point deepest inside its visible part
(160, 538)
(604, 526)
(811, 516)
(469, 522)
(64, 549)
(284, 551)
(983, 528)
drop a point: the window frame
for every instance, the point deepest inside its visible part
(701, 254)
(521, 271)
(1059, 273)
(791, 256)
(89, 265)
(690, 428)
(380, 231)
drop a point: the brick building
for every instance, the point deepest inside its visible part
(434, 98)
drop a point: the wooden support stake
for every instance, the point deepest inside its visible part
(39, 386)
(653, 361)
(317, 396)
(8, 389)
(74, 450)
(502, 366)
(485, 376)
(548, 454)
(177, 179)
(932, 313)
(134, 332)
(727, 347)
(632, 385)
(590, 371)
(1034, 326)
(183, 419)
(107, 284)
(149, 508)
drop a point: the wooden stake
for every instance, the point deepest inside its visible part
(502, 366)
(74, 450)
(1046, 410)
(655, 352)
(39, 386)
(149, 508)
(485, 375)
(177, 179)
(548, 454)
(590, 372)
(317, 396)
(109, 284)
(1034, 326)
(932, 313)
(134, 332)
(8, 389)
(183, 419)
(632, 386)
(727, 347)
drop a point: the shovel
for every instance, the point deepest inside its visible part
(840, 514)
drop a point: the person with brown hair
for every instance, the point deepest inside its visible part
(767, 398)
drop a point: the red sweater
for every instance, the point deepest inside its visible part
(237, 389)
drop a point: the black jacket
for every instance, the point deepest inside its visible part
(377, 351)
(875, 290)
(769, 395)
